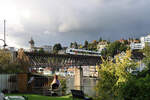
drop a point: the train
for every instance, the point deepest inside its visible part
(82, 52)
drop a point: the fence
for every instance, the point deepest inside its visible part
(8, 82)
(12, 82)
(20, 83)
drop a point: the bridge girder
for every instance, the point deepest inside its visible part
(59, 60)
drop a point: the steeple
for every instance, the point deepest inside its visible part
(31, 42)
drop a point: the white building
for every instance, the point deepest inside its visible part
(145, 39)
(134, 46)
(141, 45)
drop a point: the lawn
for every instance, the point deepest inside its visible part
(40, 97)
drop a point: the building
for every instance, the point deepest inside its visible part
(141, 45)
(101, 45)
(135, 46)
(47, 48)
(93, 71)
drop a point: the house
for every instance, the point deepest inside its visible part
(101, 45)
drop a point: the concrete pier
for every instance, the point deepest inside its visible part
(78, 78)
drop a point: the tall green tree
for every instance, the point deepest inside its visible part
(71, 45)
(100, 39)
(86, 44)
(57, 47)
(75, 45)
(112, 74)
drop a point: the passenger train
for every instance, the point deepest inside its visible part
(82, 52)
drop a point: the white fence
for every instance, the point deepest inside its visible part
(8, 82)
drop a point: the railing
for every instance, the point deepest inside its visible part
(8, 82)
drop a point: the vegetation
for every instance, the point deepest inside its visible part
(57, 47)
(118, 83)
(136, 88)
(113, 75)
(39, 97)
(7, 65)
(41, 50)
(63, 86)
(114, 48)
(86, 44)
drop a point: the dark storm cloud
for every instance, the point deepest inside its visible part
(78, 20)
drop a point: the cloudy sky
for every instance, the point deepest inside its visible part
(65, 21)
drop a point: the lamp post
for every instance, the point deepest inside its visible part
(4, 40)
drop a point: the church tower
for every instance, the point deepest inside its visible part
(31, 42)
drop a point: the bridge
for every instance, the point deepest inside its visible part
(58, 60)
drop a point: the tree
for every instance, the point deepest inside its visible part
(86, 44)
(75, 45)
(7, 65)
(92, 46)
(41, 50)
(114, 48)
(71, 45)
(57, 47)
(136, 88)
(146, 52)
(112, 74)
(100, 39)
(23, 60)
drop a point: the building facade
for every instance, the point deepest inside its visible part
(141, 45)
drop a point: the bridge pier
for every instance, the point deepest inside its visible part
(78, 78)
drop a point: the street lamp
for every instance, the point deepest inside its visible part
(4, 40)
(4, 43)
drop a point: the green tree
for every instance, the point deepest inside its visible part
(57, 47)
(8, 65)
(71, 45)
(114, 48)
(100, 39)
(113, 74)
(93, 46)
(146, 52)
(41, 50)
(136, 88)
(75, 45)
(86, 44)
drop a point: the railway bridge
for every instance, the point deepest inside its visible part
(60, 60)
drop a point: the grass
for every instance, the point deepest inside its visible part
(40, 97)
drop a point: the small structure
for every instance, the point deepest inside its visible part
(101, 45)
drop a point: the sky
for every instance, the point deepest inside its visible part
(64, 21)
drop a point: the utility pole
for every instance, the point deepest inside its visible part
(4, 40)
(4, 34)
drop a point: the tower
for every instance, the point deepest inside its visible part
(31, 42)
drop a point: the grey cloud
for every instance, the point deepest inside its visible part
(68, 20)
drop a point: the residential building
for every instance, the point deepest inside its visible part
(101, 45)
(134, 46)
(141, 45)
